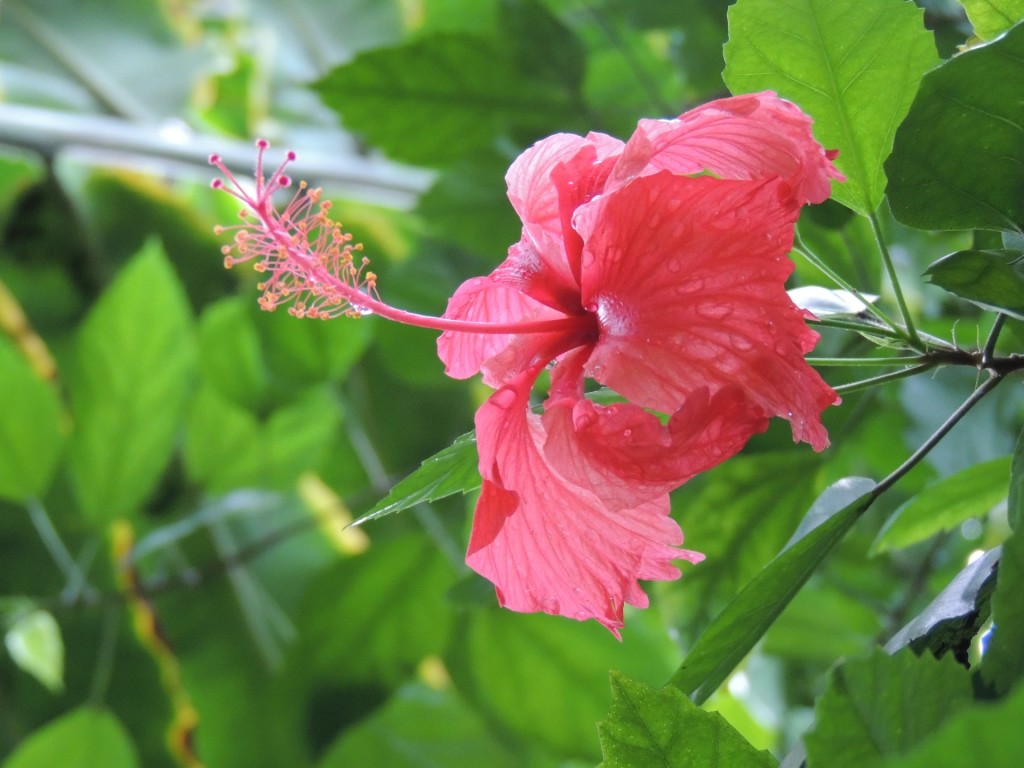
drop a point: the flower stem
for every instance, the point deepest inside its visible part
(843, 362)
(911, 332)
(814, 259)
(885, 378)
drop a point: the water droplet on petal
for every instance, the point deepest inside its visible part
(674, 265)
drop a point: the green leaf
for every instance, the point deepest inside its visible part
(958, 159)
(35, 645)
(545, 678)
(853, 65)
(952, 620)
(420, 728)
(450, 471)
(372, 618)
(993, 280)
(135, 358)
(31, 433)
(660, 728)
(18, 172)
(992, 17)
(883, 705)
(227, 447)
(467, 89)
(747, 617)
(984, 735)
(542, 46)
(230, 356)
(766, 495)
(972, 492)
(83, 738)
(1003, 663)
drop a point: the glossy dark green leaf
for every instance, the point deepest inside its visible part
(83, 738)
(958, 158)
(467, 89)
(650, 727)
(747, 617)
(1003, 663)
(951, 621)
(883, 705)
(972, 492)
(452, 470)
(992, 17)
(853, 65)
(420, 728)
(545, 678)
(126, 416)
(993, 280)
(986, 734)
(31, 429)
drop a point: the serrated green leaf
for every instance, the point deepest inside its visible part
(984, 735)
(853, 65)
(993, 280)
(747, 617)
(972, 492)
(83, 738)
(992, 17)
(420, 728)
(1003, 663)
(958, 158)
(35, 645)
(450, 471)
(135, 359)
(883, 705)
(466, 88)
(651, 727)
(31, 435)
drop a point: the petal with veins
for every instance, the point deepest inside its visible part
(687, 278)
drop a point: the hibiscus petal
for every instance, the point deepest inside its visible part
(552, 545)
(499, 355)
(687, 278)
(538, 264)
(754, 136)
(629, 450)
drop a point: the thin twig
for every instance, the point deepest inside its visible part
(885, 378)
(911, 332)
(820, 264)
(988, 354)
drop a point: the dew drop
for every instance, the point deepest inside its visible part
(674, 266)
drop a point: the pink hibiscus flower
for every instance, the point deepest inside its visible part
(654, 267)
